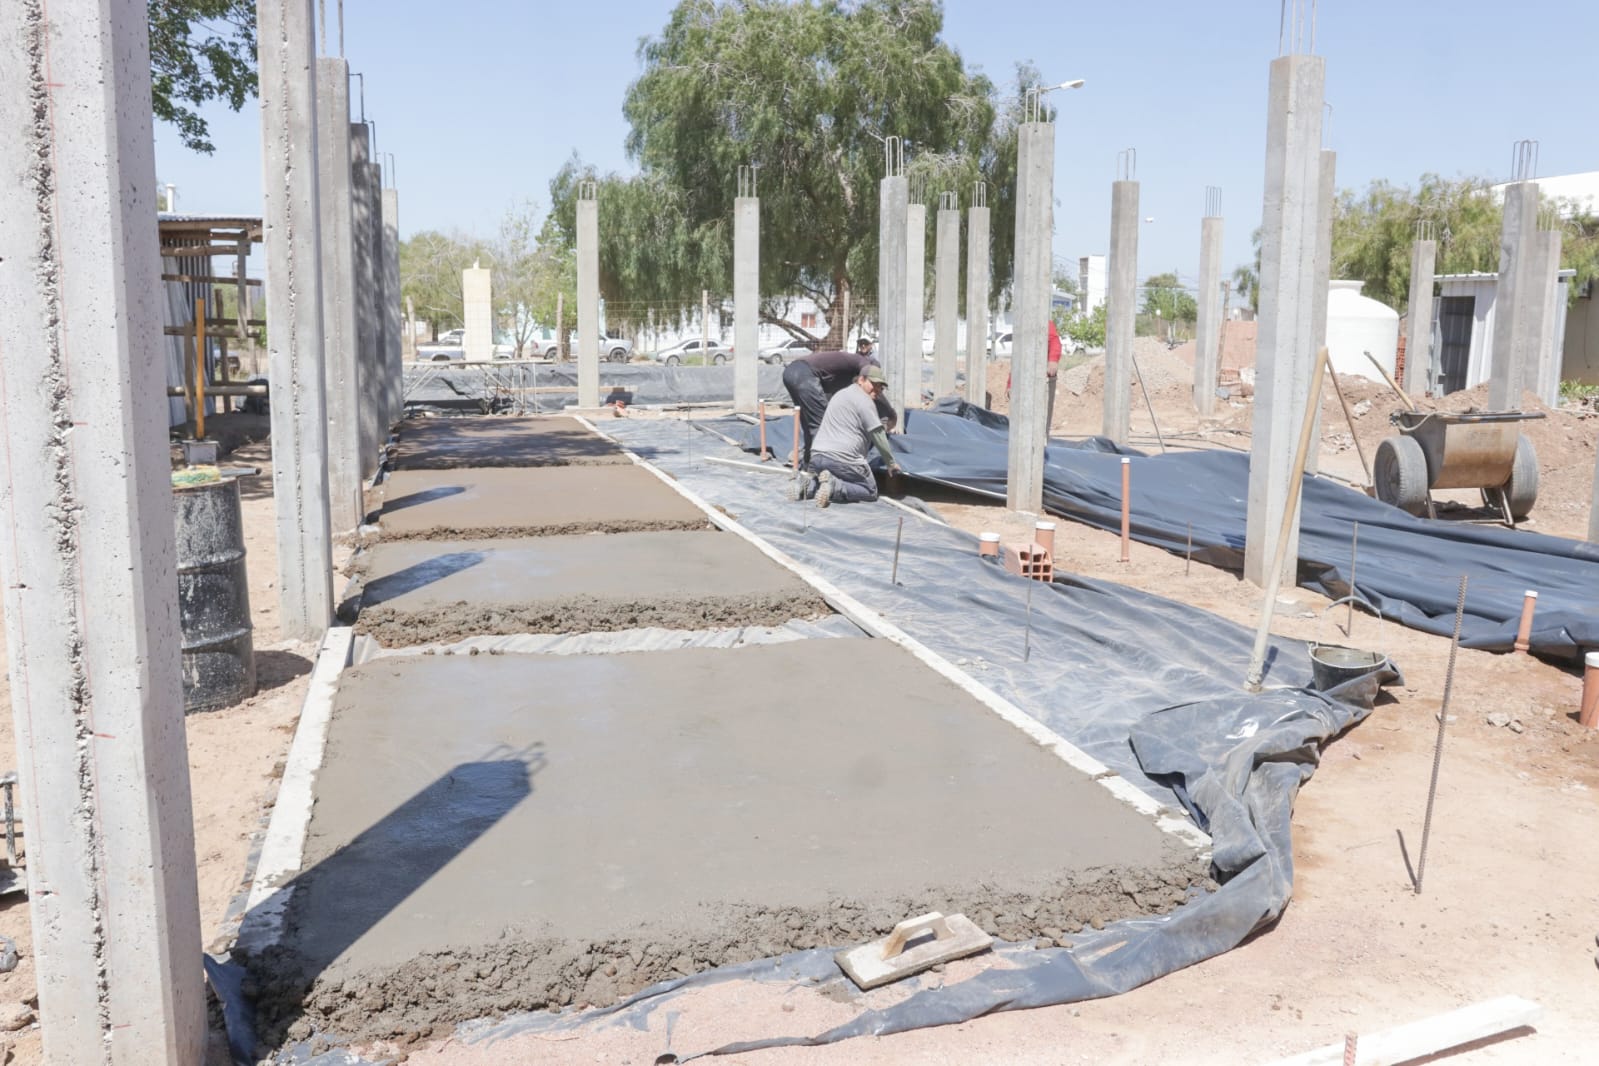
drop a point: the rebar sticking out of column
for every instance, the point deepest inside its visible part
(1127, 164)
(1524, 161)
(1443, 720)
(1212, 201)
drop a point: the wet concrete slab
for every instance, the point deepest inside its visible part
(511, 502)
(501, 833)
(432, 591)
(499, 440)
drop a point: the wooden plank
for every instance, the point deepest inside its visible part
(1428, 1036)
(207, 279)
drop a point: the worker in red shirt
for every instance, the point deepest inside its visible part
(1050, 371)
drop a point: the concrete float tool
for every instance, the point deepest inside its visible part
(916, 944)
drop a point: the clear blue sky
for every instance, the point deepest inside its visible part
(480, 101)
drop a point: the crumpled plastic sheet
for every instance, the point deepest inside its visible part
(1151, 687)
(1408, 568)
(635, 384)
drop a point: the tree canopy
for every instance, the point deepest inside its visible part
(1164, 297)
(200, 50)
(806, 92)
(1373, 233)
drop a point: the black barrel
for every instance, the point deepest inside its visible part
(213, 596)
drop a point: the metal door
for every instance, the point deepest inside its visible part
(1455, 318)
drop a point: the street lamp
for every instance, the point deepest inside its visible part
(1076, 83)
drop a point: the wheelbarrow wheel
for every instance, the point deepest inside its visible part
(1521, 491)
(1400, 473)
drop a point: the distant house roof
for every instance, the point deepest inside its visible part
(1581, 190)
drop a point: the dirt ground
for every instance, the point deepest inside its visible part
(1508, 901)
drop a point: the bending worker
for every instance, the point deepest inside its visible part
(850, 426)
(814, 379)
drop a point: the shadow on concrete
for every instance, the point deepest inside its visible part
(418, 575)
(275, 668)
(416, 499)
(340, 899)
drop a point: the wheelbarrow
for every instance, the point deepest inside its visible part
(1481, 450)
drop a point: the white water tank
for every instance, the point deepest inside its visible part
(1357, 324)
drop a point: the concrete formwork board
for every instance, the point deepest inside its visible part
(893, 199)
(1207, 345)
(497, 440)
(1287, 345)
(454, 504)
(669, 812)
(946, 300)
(977, 279)
(1121, 309)
(746, 302)
(342, 384)
(88, 571)
(422, 592)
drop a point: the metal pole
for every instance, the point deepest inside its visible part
(1144, 389)
(705, 325)
(893, 578)
(1350, 419)
(1127, 505)
(1027, 634)
(1354, 544)
(1443, 720)
(1188, 560)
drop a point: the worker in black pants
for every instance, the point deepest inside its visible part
(812, 380)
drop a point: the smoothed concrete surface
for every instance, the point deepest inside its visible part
(425, 591)
(498, 833)
(478, 503)
(499, 440)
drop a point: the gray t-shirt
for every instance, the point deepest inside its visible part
(846, 429)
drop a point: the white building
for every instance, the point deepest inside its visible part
(1091, 281)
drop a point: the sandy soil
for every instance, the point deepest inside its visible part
(235, 758)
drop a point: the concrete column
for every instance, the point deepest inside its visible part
(915, 300)
(375, 419)
(588, 302)
(88, 569)
(477, 310)
(1121, 310)
(293, 238)
(1544, 374)
(380, 319)
(1418, 344)
(1035, 230)
(746, 302)
(946, 298)
(1207, 344)
(1327, 195)
(977, 277)
(1516, 304)
(341, 384)
(1286, 347)
(393, 343)
(893, 197)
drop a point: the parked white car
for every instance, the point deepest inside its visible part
(711, 353)
(612, 349)
(793, 348)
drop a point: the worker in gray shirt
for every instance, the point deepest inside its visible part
(838, 457)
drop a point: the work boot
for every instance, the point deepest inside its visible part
(824, 488)
(802, 487)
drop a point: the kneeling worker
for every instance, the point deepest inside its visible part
(850, 426)
(812, 380)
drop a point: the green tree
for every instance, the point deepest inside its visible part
(430, 275)
(1165, 298)
(200, 51)
(1246, 283)
(1087, 330)
(807, 91)
(1373, 233)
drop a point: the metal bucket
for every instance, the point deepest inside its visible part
(1332, 665)
(213, 596)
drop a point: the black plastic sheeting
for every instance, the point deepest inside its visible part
(1149, 686)
(1408, 568)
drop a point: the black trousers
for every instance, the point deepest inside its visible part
(805, 389)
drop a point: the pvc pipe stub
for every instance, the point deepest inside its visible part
(1591, 660)
(988, 544)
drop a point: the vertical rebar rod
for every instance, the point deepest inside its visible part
(1027, 633)
(1354, 544)
(1443, 720)
(1188, 558)
(893, 577)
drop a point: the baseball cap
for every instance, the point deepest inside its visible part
(874, 374)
